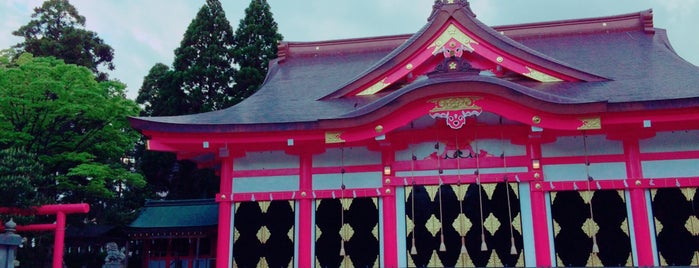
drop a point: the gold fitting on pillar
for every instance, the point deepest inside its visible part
(387, 171)
(388, 191)
(223, 196)
(638, 183)
(303, 194)
(388, 181)
(536, 119)
(537, 186)
(537, 175)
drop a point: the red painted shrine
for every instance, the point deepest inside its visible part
(564, 143)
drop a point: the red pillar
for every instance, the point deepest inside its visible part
(60, 238)
(225, 201)
(390, 239)
(539, 217)
(639, 209)
(305, 226)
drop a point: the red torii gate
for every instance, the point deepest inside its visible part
(59, 228)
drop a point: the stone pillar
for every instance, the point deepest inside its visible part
(8, 245)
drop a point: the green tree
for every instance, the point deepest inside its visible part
(255, 45)
(21, 179)
(75, 125)
(160, 94)
(57, 29)
(203, 66)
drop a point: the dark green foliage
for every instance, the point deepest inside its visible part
(160, 94)
(58, 30)
(255, 45)
(204, 61)
(22, 178)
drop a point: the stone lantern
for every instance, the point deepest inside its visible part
(8, 245)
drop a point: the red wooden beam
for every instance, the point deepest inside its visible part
(59, 228)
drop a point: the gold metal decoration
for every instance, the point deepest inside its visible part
(517, 223)
(495, 261)
(499, 59)
(489, 189)
(559, 261)
(536, 120)
(539, 76)
(691, 225)
(689, 193)
(590, 123)
(236, 234)
(375, 88)
(586, 196)
(663, 262)
(593, 261)
(263, 263)
(556, 228)
(264, 206)
(658, 226)
(590, 227)
(455, 104)
(378, 129)
(431, 191)
(462, 224)
(451, 32)
(409, 66)
(346, 232)
(346, 203)
(492, 223)
(263, 234)
(435, 261)
(290, 233)
(515, 189)
(333, 137)
(375, 231)
(433, 225)
(318, 232)
(409, 225)
(625, 226)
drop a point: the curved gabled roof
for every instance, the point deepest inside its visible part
(635, 60)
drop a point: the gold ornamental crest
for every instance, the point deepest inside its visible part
(455, 104)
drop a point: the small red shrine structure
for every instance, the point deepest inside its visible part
(564, 143)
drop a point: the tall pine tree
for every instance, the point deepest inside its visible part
(57, 29)
(255, 45)
(204, 61)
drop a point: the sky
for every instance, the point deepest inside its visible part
(145, 32)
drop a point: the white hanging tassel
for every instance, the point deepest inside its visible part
(413, 250)
(463, 245)
(442, 247)
(513, 249)
(595, 247)
(342, 248)
(484, 246)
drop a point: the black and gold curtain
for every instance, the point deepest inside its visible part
(675, 211)
(347, 233)
(264, 234)
(576, 228)
(459, 214)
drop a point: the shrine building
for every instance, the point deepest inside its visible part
(562, 143)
